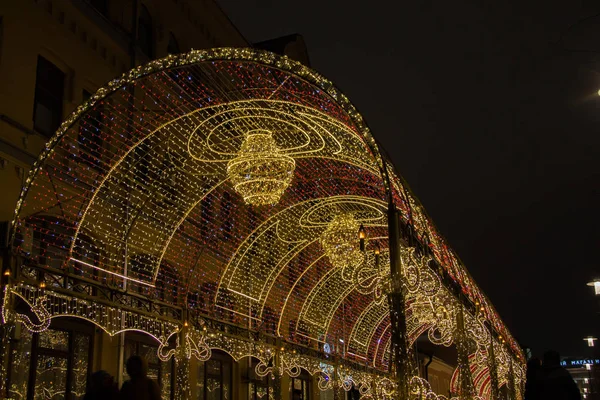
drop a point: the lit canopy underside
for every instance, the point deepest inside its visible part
(133, 192)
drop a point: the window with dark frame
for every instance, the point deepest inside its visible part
(60, 360)
(259, 388)
(215, 377)
(160, 371)
(299, 387)
(100, 5)
(145, 32)
(48, 101)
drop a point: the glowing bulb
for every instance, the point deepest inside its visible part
(361, 232)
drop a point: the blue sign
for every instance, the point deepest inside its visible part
(580, 362)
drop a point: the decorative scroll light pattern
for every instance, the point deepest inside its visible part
(47, 304)
(194, 345)
(260, 172)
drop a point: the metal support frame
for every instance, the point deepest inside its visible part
(400, 359)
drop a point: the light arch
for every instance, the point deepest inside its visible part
(160, 186)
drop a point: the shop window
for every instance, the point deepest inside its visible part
(353, 394)
(48, 101)
(215, 377)
(90, 133)
(54, 363)
(160, 371)
(259, 388)
(145, 32)
(20, 357)
(300, 387)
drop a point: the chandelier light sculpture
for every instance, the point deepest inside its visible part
(340, 242)
(260, 172)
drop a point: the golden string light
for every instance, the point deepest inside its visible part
(162, 210)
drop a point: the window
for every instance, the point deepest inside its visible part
(48, 248)
(161, 372)
(214, 377)
(173, 46)
(90, 137)
(259, 388)
(167, 292)
(299, 387)
(145, 32)
(100, 5)
(48, 102)
(59, 359)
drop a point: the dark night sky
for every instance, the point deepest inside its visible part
(493, 124)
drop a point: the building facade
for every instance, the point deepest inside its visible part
(585, 373)
(225, 213)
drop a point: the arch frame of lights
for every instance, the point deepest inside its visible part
(414, 215)
(244, 55)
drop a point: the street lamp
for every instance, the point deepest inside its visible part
(590, 340)
(596, 284)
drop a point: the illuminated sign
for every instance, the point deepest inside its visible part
(580, 362)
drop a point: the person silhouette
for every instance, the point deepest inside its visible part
(532, 383)
(139, 386)
(102, 387)
(555, 381)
